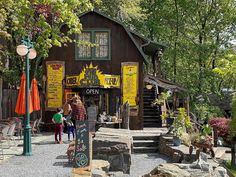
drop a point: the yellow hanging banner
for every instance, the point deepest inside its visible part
(130, 82)
(55, 75)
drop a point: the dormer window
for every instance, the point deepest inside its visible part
(101, 51)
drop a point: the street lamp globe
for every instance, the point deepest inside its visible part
(32, 53)
(22, 50)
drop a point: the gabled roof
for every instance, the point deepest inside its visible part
(149, 47)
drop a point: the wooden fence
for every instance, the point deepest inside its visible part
(125, 112)
(8, 103)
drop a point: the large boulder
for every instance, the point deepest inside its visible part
(113, 147)
(168, 170)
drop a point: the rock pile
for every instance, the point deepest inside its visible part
(202, 167)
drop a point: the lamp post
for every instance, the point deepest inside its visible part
(26, 49)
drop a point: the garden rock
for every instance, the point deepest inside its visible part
(98, 173)
(202, 163)
(101, 165)
(115, 150)
(169, 170)
(220, 172)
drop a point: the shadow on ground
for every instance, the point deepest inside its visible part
(61, 157)
(63, 164)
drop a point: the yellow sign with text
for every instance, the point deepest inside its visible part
(55, 75)
(111, 81)
(72, 81)
(92, 76)
(130, 83)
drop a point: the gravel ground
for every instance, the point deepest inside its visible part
(49, 160)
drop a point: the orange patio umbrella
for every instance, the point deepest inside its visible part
(20, 104)
(35, 95)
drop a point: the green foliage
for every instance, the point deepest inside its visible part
(197, 33)
(205, 111)
(206, 130)
(231, 167)
(163, 100)
(182, 122)
(123, 10)
(163, 97)
(226, 69)
(43, 21)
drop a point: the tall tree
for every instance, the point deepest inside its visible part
(42, 21)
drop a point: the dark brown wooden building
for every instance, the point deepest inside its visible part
(106, 74)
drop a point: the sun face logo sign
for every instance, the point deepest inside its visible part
(91, 76)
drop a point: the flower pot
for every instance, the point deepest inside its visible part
(177, 141)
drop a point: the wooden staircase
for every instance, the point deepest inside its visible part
(151, 114)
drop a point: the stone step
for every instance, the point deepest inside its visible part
(145, 143)
(144, 138)
(145, 149)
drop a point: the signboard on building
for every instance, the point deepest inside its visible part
(72, 80)
(55, 75)
(130, 82)
(91, 76)
(111, 81)
(82, 155)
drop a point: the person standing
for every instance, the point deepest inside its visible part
(66, 113)
(78, 110)
(70, 127)
(58, 120)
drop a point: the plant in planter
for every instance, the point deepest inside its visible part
(181, 125)
(202, 141)
(166, 113)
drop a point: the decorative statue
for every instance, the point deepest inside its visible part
(156, 61)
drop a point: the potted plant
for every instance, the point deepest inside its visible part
(180, 125)
(166, 113)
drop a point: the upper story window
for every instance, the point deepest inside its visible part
(101, 51)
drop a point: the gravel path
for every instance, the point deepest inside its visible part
(49, 160)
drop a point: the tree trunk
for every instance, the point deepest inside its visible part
(233, 158)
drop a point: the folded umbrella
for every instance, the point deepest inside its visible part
(35, 95)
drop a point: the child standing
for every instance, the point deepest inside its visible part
(70, 127)
(58, 120)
